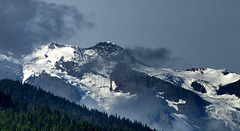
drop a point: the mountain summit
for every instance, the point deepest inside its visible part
(108, 78)
(108, 48)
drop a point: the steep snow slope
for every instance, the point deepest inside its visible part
(211, 79)
(224, 107)
(44, 58)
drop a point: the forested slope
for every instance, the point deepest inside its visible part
(24, 106)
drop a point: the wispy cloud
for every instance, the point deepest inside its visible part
(27, 22)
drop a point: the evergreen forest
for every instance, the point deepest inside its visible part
(26, 107)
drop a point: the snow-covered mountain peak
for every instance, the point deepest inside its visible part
(200, 70)
(53, 52)
(45, 57)
(53, 45)
(55, 59)
(107, 77)
(107, 48)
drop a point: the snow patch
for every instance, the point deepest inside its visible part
(159, 95)
(174, 104)
(179, 116)
(109, 42)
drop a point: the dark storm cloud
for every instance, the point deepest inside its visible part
(159, 57)
(151, 54)
(27, 22)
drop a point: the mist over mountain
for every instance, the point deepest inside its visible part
(159, 57)
(110, 78)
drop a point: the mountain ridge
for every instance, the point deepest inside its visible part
(108, 78)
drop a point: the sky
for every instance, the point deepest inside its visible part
(192, 33)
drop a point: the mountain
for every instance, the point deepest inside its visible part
(110, 79)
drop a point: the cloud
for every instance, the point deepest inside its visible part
(159, 57)
(179, 125)
(140, 109)
(216, 125)
(27, 22)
